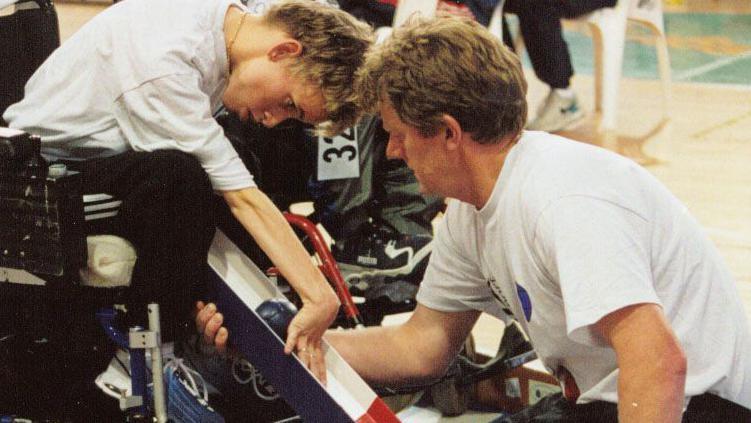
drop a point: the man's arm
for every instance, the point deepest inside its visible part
(266, 224)
(418, 350)
(651, 363)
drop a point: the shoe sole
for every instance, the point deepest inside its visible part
(352, 272)
(571, 123)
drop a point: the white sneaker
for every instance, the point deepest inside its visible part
(115, 379)
(556, 113)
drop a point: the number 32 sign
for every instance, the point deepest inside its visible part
(338, 157)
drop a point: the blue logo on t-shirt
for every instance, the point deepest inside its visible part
(526, 302)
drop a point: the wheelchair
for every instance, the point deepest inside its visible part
(48, 317)
(36, 272)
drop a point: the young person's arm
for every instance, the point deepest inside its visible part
(266, 224)
(651, 364)
(418, 350)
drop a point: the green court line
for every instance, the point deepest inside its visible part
(725, 62)
(703, 47)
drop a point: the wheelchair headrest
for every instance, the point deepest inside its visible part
(20, 152)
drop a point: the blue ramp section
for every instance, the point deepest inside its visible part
(265, 350)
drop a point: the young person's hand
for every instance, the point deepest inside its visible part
(305, 332)
(271, 231)
(209, 323)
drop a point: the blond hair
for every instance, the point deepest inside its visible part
(447, 65)
(333, 48)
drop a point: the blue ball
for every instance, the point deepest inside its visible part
(278, 313)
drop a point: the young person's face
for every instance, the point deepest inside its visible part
(424, 155)
(263, 89)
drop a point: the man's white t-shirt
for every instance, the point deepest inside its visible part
(572, 233)
(142, 75)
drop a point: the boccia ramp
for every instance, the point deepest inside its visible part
(241, 288)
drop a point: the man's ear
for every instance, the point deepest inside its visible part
(452, 131)
(289, 47)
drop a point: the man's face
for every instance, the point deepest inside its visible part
(423, 155)
(264, 90)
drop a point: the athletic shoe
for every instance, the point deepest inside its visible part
(187, 395)
(556, 113)
(236, 389)
(380, 251)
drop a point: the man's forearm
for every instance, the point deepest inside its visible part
(651, 393)
(651, 363)
(418, 350)
(381, 355)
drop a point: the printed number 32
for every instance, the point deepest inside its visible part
(346, 152)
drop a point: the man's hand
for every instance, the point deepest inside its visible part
(303, 335)
(209, 324)
(271, 231)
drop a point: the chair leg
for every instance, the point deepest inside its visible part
(610, 51)
(651, 17)
(664, 127)
(597, 71)
(663, 62)
(496, 20)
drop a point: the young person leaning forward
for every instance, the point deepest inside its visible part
(129, 101)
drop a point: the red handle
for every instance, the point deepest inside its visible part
(328, 264)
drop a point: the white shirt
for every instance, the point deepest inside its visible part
(572, 233)
(142, 75)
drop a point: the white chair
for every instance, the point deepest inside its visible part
(609, 35)
(406, 8)
(403, 11)
(608, 28)
(496, 20)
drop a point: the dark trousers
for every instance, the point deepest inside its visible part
(168, 214)
(51, 347)
(705, 408)
(27, 38)
(386, 191)
(540, 24)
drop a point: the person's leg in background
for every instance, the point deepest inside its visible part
(401, 204)
(541, 29)
(376, 12)
(540, 25)
(375, 217)
(342, 205)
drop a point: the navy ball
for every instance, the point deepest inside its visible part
(278, 313)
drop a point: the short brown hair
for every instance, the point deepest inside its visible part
(333, 48)
(447, 65)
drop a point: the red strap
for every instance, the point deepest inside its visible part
(570, 388)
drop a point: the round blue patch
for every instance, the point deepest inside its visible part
(525, 301)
